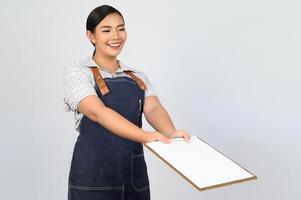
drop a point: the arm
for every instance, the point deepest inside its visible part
(94, 109)
(153, 110)
(159, 119)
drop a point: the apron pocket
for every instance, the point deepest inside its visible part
(139, 177)
(88, 169)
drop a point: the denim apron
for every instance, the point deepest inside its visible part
(105, 166)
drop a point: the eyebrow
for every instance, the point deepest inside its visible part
(111, 26)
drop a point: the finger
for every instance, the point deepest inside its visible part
(166, 140)
(187, 137)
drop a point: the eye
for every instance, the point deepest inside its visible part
(106, 31)
(122, 29)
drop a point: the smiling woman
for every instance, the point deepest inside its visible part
(108, 99)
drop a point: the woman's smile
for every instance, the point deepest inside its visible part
(114, 45)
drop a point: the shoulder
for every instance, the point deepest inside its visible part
(149, 86)
(77, 68)
(137, 72)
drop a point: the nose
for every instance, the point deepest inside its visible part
(115, 35)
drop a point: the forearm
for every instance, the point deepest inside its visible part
(119, 125)
(159, 119)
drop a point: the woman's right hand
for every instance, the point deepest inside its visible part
(152, 136)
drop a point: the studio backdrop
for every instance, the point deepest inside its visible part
(226, 71)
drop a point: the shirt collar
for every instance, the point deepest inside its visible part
(89, 62)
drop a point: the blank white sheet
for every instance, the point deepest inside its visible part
(201, 164)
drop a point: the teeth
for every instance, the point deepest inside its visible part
(114, 45)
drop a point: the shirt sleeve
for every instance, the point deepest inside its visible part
(150, 90)
(77, 85)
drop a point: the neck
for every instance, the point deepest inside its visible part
(108, 63)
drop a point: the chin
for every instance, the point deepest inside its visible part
(113, 54)
(110, 55)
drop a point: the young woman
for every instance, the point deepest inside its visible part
(108, 99)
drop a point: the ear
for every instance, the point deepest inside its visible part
(90, 36)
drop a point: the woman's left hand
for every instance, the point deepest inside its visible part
(183, 134)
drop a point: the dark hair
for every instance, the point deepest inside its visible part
(97, 15)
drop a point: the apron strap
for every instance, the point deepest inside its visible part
(139, 82)
(103, 86)
(99, 81)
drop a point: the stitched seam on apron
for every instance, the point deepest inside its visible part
(95, 188)
(120, 79)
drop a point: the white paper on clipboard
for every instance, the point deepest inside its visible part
(199, 163)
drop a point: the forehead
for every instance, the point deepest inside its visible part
(111, 20)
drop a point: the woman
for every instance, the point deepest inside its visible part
(108, 99)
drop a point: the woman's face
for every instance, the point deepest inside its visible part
(109, 35)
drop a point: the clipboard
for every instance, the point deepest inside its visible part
(199, 163)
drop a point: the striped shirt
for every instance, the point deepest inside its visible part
(79, 83)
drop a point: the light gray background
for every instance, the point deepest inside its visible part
(227, 71)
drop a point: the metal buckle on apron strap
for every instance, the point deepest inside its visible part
(103, 86)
